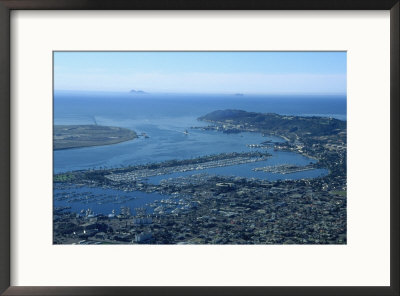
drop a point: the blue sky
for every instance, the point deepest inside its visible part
(202, 72)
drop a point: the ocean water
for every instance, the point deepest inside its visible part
(164, 118)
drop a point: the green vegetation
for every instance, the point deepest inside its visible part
(77, 136)
(278, 124)
(67, 177)
(339, 192)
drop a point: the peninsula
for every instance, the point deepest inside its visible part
(203, 208)
(77, 136)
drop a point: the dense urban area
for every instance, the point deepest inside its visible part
(207, 209)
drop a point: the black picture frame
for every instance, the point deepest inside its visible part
(6, 6)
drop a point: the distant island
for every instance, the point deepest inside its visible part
(77, 136)
(137, 92)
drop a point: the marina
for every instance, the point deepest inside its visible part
(181, 181)
(284, 169)
(102, 200)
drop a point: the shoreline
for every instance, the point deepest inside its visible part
(81, 136)
(94, 145)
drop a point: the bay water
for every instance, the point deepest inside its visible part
(164, 118)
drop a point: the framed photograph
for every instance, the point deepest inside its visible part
(156, 148)
(207, 155)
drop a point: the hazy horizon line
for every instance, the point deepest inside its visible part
(202, 93)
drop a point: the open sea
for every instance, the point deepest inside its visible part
(164, 118)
